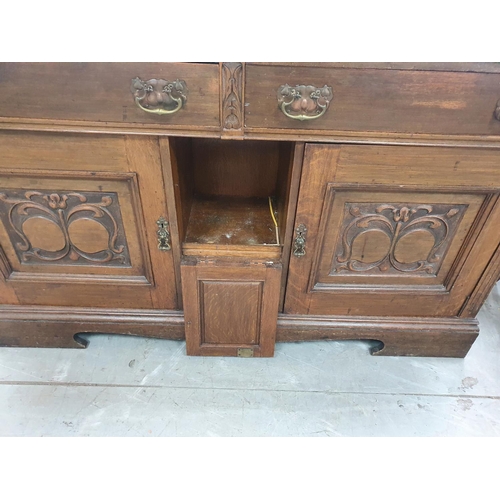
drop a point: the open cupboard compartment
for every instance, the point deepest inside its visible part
(232, 197)
(234, 203)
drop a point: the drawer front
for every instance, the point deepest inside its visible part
(230, 309)
(364, 100)
(102, 92)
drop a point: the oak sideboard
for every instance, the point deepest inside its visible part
(236, 205)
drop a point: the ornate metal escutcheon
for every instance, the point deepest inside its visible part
(163, 235)
(497, 110)
(160, 97)
(304, 102)
(299, 244)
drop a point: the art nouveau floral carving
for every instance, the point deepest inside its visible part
(434, 223)
(97, 213)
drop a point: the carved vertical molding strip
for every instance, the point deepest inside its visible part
(232, 83)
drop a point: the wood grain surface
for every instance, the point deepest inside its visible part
(370, 100)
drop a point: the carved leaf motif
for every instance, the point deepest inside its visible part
(232, 81)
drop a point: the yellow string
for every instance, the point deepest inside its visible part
(274, 220)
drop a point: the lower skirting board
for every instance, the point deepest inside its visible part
(36, 326)
(401, 336)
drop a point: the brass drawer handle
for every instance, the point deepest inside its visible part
(497, 110)
(304, 102)
(163, 234)
(160, 97)
(299, 244)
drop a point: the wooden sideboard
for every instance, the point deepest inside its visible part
(238, 205)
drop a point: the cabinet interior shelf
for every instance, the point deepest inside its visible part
(225, 220)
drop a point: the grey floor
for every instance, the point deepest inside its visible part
(126, 386)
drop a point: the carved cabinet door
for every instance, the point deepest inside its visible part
(392, 230)
(84, 222)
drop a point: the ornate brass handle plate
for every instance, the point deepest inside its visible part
(497, 110)
(304, 102)
(163, 234)
(299, 244)
(160, 97)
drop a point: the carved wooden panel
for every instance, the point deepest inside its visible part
(73, 224)
(384, 238)
(232, 96)
(78, 222)
(392, 240)
(64, 227)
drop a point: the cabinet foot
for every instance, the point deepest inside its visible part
(428, 337)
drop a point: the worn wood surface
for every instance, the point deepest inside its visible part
(28, 326)
(222, 189)
(227, 220)
(25, 326)
(379, 101)
(100, 92)
(78, 221)
(230, 306)
(235, 168)
(443, 337)
(232, 89)
(351, 263)
(469, 67)
(402, 239)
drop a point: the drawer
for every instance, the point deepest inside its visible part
(378, 100)
(102, 92)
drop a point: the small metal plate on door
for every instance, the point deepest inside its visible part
(245, 353)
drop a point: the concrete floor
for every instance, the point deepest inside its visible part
(126, 386)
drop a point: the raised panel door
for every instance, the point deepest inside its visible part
(79, 228)
(383, 238)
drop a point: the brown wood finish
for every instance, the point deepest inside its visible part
(100, 92)
(232, 91)
(383, 240)
(288, 207)
(442, 337)
(227, 220)
(234, 168)
(416, 102)
(159, 224)
(22, 326)
(468, 67)
(222, 191)
(77, 229)
(26, 326)
(230, 306)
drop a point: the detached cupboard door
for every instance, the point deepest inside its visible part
(78, 222)
(392, 230)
